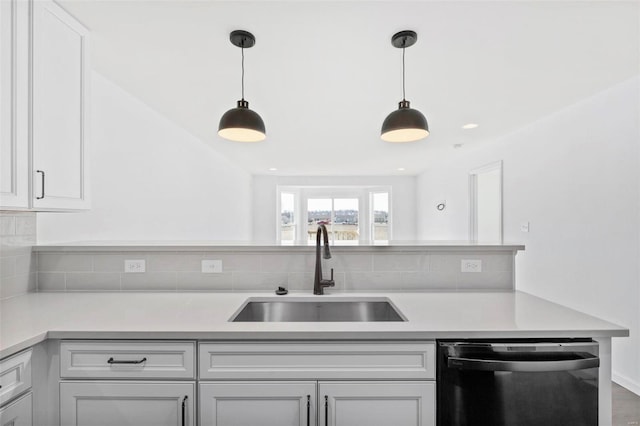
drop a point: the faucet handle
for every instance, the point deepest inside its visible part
(331, 274)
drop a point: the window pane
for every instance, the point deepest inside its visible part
(380, 201)
(287, 217)
(345, 226)
(318, 211)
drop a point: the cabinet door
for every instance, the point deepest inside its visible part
(18, 413)
(14, 107)
(126, 404)
(60, 109)
(258, 404)
(377, 403)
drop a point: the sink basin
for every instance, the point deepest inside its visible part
(317, 311)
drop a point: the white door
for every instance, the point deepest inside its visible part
(60, 106)
(14, 108)
(258, 404)
(18, 413)
(127, 404)
(377, 403)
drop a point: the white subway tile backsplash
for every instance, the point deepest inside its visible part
(109, 262)
(26, 264)
(489, 280)
(17, 265)
(93, 281)
(400, 262)
(259, 281)
(287, 262)
(17, 284)
(265, 271)
(445, 262)
(7, 267)
(61, 262)
(51, 281)
(364, 281)
(7, 225)
(350, 262)
(303, 281)
(204, 282)
(26, 225)
(150, 281)
(236, 262)
(174, 262)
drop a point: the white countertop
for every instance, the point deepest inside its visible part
(249, 246)
(32, 318)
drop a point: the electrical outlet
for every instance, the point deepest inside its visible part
(524, 227)
(211, 266)
(134, 266)
(471, 265)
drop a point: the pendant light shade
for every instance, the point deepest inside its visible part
(405, 124)
(241, 124)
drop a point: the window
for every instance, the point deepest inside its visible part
(287, 217)
(350, 214)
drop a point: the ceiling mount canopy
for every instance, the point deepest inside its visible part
(404, 124)
(241, 124)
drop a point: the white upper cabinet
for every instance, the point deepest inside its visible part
(60, 97)
(14, 107)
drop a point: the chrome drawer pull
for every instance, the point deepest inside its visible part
(113, 361)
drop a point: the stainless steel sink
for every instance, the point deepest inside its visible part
(317, 311)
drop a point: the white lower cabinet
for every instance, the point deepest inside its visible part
(18, 413)
(356, 403)
(258, 403)
(377, 403)
(95, 403)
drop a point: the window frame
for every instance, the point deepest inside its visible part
(302, 193)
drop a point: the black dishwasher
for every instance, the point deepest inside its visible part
(517, 382)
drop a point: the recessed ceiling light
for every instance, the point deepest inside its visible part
(470, 126)
(401, 169)
(457, 145)
(272, 169)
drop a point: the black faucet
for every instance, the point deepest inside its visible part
(318, 283)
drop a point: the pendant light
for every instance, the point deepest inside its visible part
(405, 124)
(241, 124)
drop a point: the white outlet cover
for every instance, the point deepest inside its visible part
(134, 266)
(211, 266)
(471, 265)
(524, 227)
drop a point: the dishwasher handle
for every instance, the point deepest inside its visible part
(522, 366)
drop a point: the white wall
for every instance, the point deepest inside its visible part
(403, 205)
(152, 180)
(575, 176)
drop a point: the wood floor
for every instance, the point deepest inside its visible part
(626, 407)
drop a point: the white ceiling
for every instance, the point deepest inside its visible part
(323, 75)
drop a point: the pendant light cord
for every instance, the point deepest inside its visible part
(403, 94)
(242, 49)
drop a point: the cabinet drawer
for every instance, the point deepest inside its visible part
(15, 376)
(120, 360)
(317, 360)
(18, 413)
